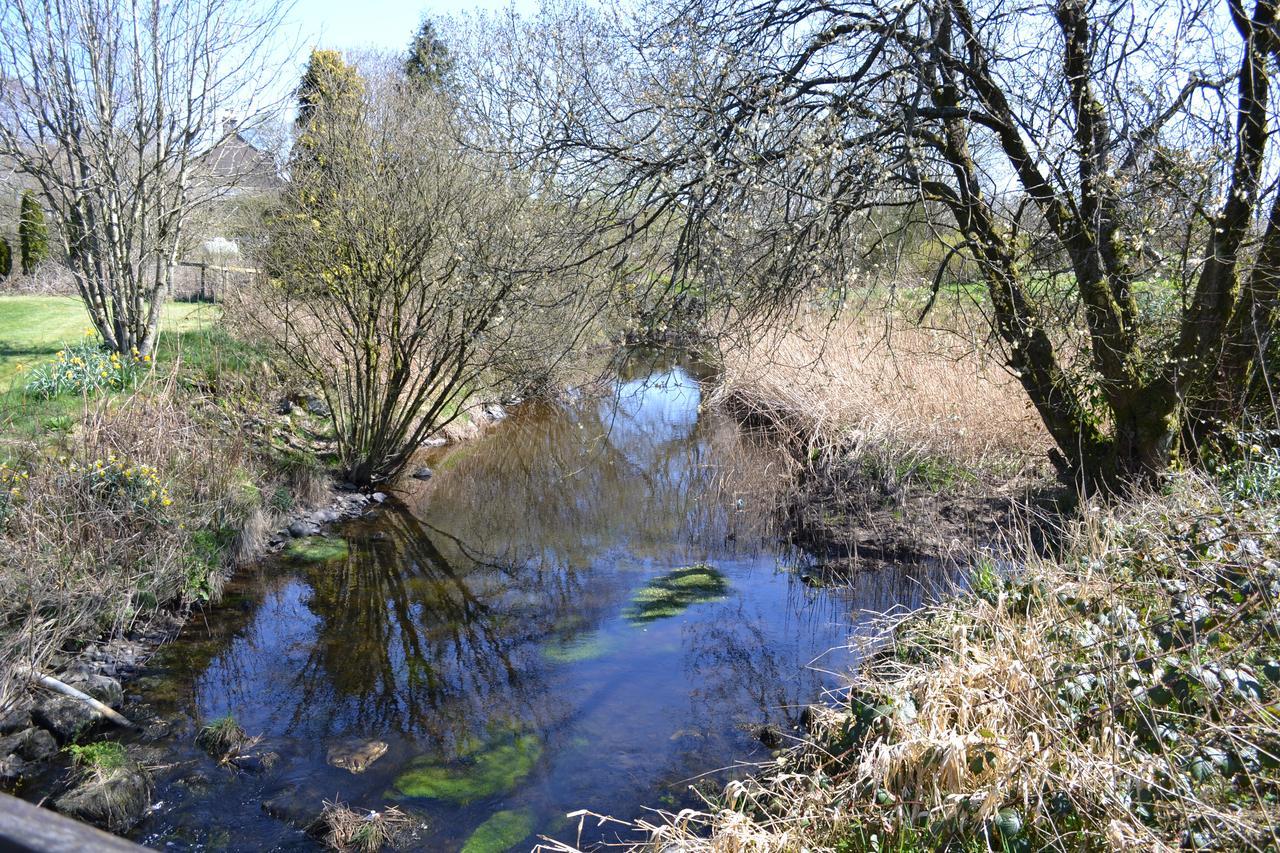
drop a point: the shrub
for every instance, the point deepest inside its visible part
(33, 236)
(6, 258)
(85, 368)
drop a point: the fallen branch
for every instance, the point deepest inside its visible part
(67, 690)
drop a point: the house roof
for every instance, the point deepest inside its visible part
(235, 162)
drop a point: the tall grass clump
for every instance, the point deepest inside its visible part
(1124, 695)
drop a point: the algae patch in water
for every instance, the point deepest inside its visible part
(318, 549)
(485, 770)
(501, 832)
(578, 649)
(672, 593)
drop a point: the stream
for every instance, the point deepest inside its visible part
(518, 632)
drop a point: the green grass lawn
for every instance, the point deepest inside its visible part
(34, 328)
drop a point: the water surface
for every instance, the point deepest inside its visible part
(488, 631)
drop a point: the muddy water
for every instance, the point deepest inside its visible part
(516, 639)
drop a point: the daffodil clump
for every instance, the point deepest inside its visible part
(138, 487)
(85, 368)
(12, 482)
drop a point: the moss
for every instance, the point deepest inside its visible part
(104, 755)
(588, 647)
(318, 549)
(485, 770)
(501, 832)
(672, 593)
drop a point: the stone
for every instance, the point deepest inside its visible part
(12, 768)
(15, 721)
(101, 687)
(65, 717)
(316, 406)
(35, 745)
(378, 497)
(422, 472)
(114, 800)
(300, 528)
(355, 756)
(254, 761)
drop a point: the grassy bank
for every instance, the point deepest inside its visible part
(1123, 695)
(130, 499)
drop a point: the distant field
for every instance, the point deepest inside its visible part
(33, 328)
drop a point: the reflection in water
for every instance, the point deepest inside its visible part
(496, 602)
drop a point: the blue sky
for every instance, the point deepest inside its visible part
(347, 24)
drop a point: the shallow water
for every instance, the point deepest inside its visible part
(487, 633)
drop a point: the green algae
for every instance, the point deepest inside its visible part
(486, 769)
(578, 649)
(318, 549)
(502, 831)
(672, 593)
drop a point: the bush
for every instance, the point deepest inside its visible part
(6, 258)
(33, 236)
(85, 368)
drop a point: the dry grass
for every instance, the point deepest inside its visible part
(908, 403)
(346, 829)
(140, 506)
(1122, 697)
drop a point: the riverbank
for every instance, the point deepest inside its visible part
(1121, 695)
(128, 503)
(908, 444)
(1109, 680)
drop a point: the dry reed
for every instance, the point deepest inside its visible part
(901, 398)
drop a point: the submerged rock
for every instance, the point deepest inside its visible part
(114, 799)
(318, 549)
(501, 832)
(671, 594)
(355, 755)
(486, 769)
(576, 649)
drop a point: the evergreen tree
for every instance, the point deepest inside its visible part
(33, 236)
(428, 62)
(6, 259)
(329, 82)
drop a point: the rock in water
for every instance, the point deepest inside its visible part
(355, 755)
(65, 717)
(115, 799)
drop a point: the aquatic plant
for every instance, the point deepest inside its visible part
(672, 593)
(222, 736)
(488, 768)
(318, 549)
(577, 649)
(99, 757)
(502, 831)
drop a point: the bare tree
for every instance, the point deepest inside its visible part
(107, 107)
(409, 272)
(1105, 167)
